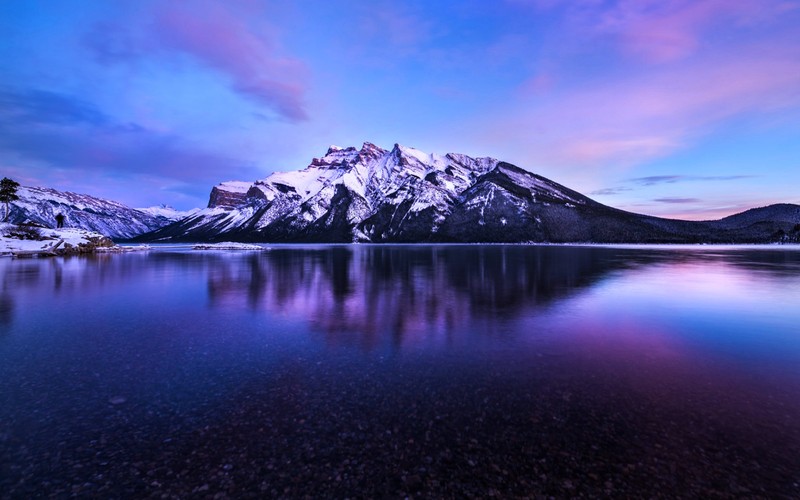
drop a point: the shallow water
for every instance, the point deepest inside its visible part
(334, 371)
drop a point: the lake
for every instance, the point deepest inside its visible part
(392, 371)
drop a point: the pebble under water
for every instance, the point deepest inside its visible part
(402, 371)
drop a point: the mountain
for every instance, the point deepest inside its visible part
(110, 218)
(781, 221)
(404, 195)
(167, 212)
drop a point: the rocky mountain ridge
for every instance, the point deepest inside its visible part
(113, 219)
(375, 195)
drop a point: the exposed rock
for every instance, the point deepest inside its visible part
(228, 194)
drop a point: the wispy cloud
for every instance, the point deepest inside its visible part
(702, 209)
(112, 42)
(672, 179)
(676, 70)
(610, 191)
(62, 132)
(677, 200)
(656, 180)
(224, 42)
(657, 31)
(627, 121)
(34, 106)
(665, 30)
(217, 38)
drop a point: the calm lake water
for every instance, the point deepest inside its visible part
(386, 371)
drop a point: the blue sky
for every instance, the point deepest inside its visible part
(673, 107)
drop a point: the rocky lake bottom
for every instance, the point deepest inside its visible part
(360, 371)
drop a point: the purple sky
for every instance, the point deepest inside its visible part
(682, 108)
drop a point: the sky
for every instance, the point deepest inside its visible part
(677, 108)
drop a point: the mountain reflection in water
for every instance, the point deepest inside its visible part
(385, 371)
(403, 292)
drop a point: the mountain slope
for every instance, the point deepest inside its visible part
(110, 218)
(404, 195)
(781, 221)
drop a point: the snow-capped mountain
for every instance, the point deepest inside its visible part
(110, 218)
(367, 194)
(404, 195)
(167, 212)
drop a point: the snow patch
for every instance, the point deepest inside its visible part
(235, 186)
(16, 239)
(227, 245)
(415, 153)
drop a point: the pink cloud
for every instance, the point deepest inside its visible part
(223, 40)
(667, 30)
(658, 31)
(705, 209)
(708, 62)
(624, 149)
(634, 119)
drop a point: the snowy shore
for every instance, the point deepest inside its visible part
(31, 241)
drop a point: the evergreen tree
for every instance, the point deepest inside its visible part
(8, 193)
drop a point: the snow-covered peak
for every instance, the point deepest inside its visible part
(400, 150)
(370, 148)
(374, 194)
(335, 156)
(373, 175)
(234, 186)
(371, 172)
(167, 212)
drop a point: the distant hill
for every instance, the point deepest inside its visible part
(780, 221)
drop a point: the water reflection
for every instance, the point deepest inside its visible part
(6, 309)
(569, 368)
(409, 292)
(367, 291)
(367, 294)
(403, 290)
